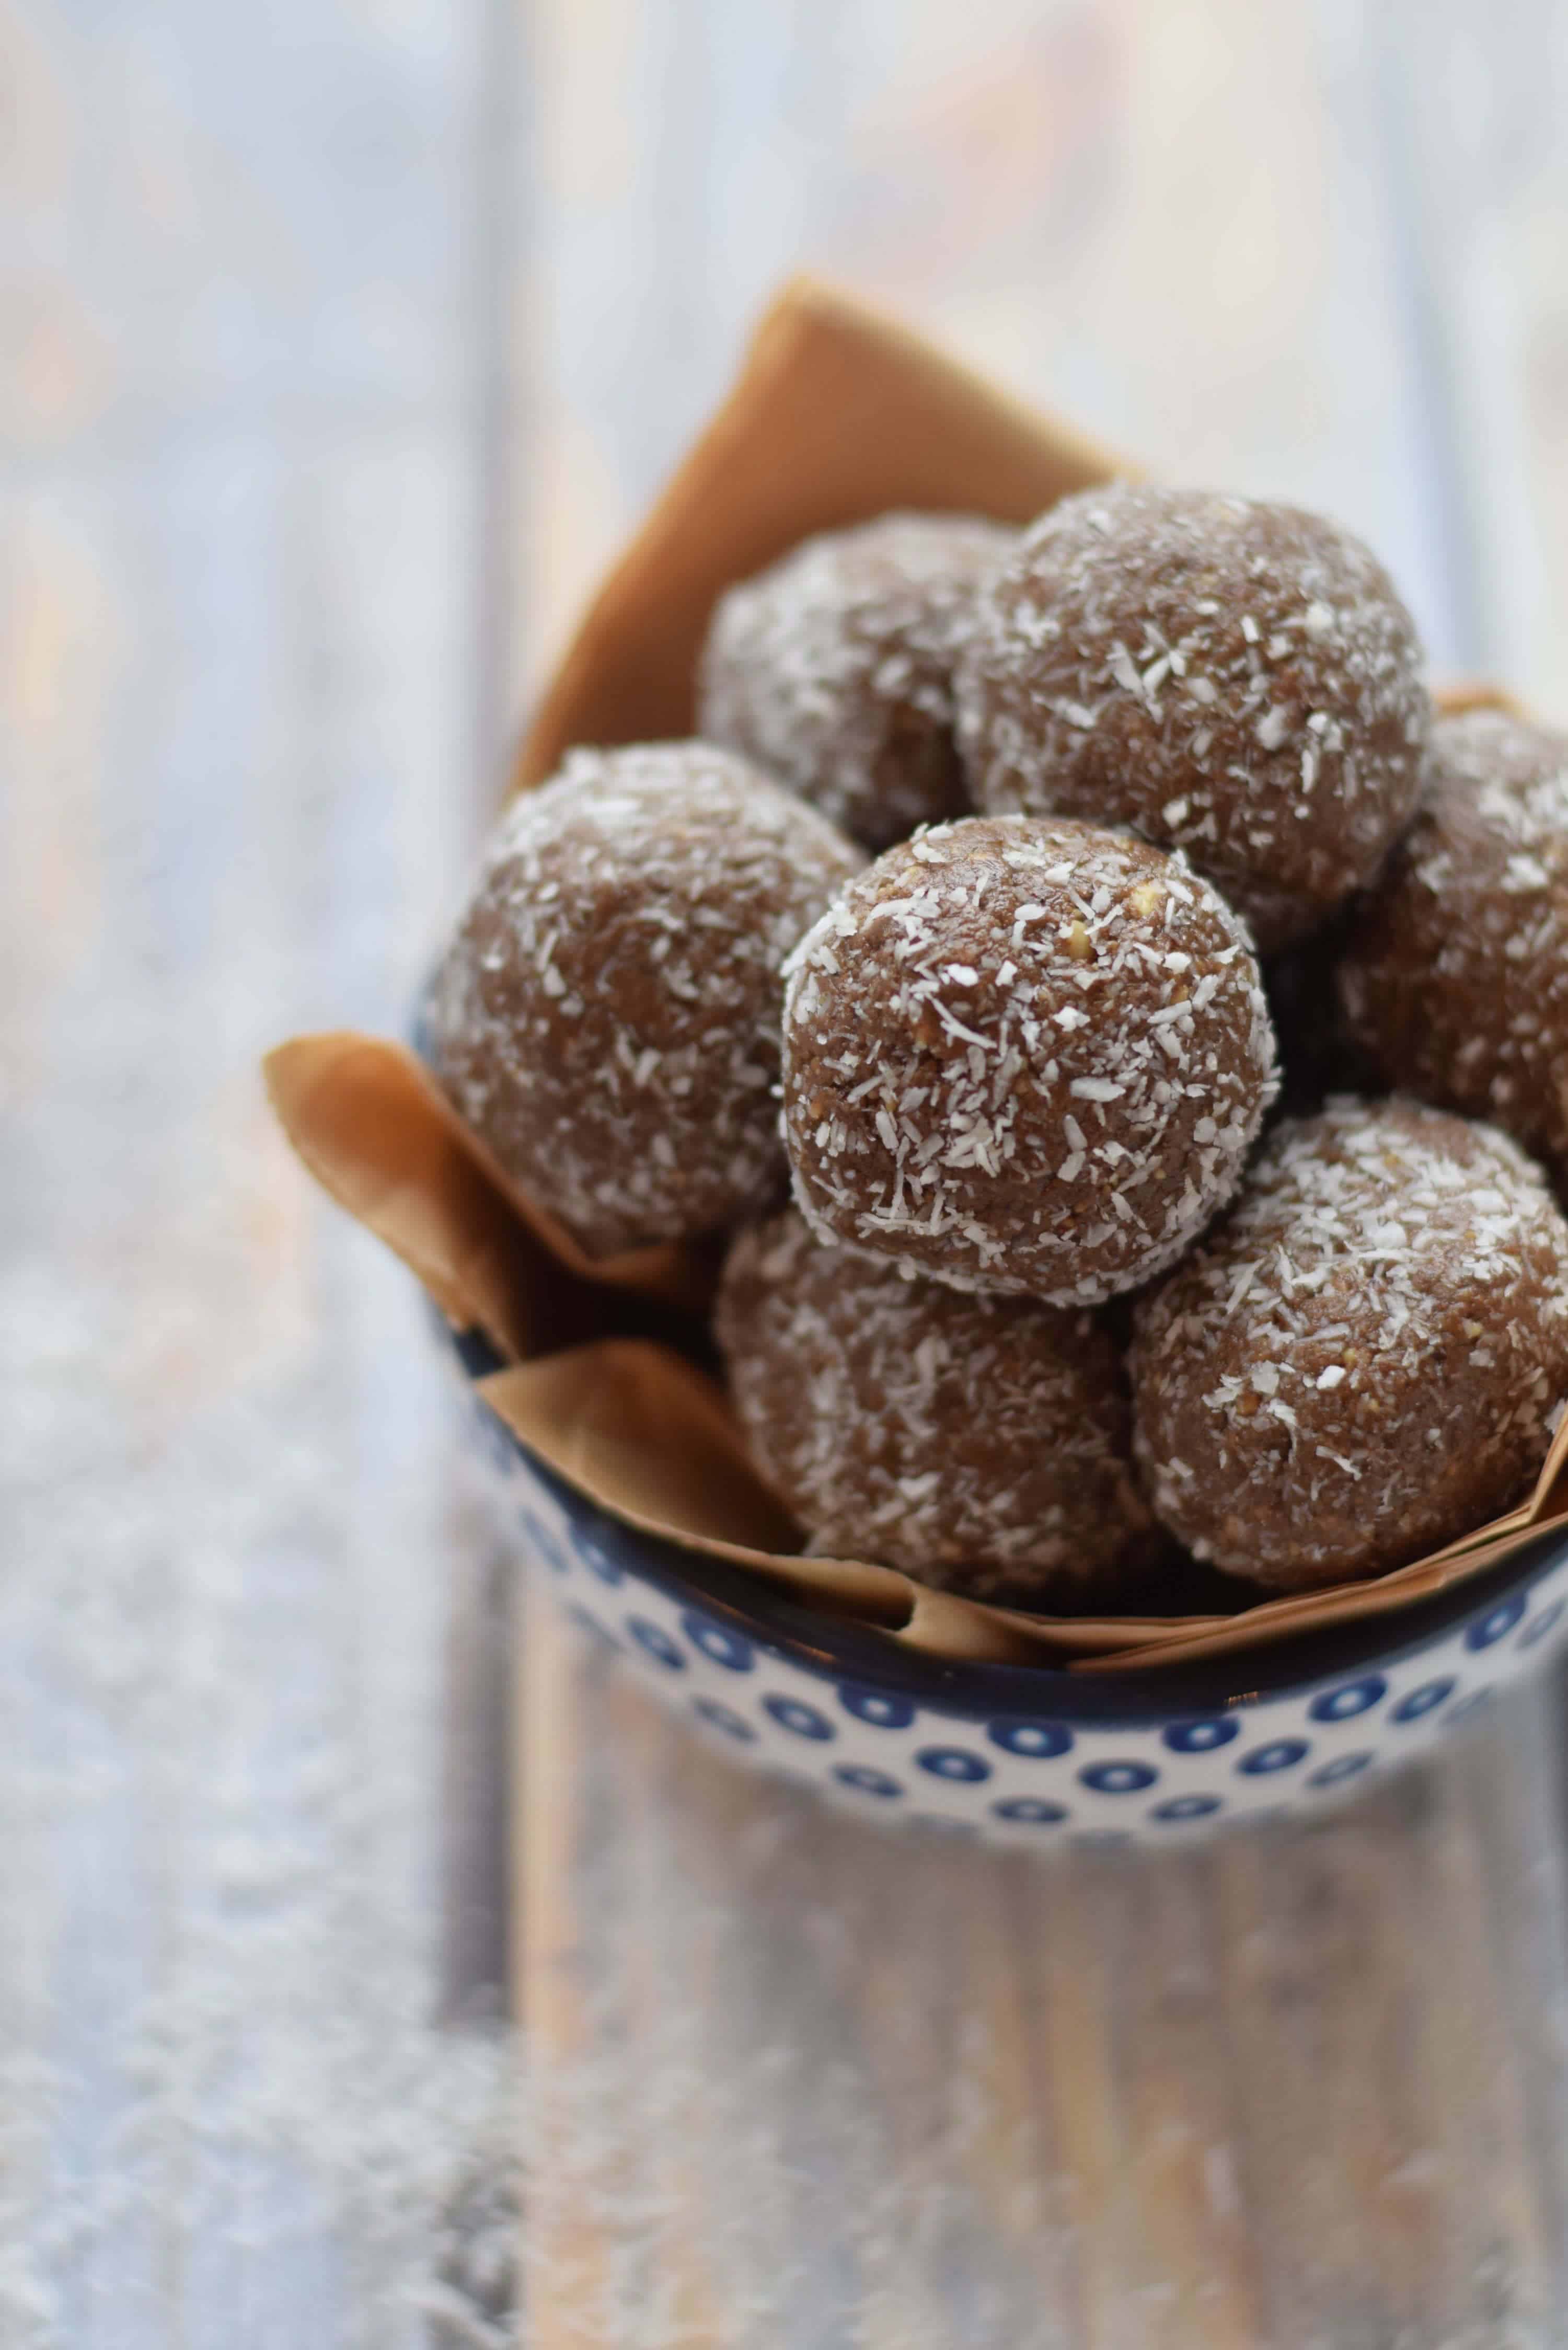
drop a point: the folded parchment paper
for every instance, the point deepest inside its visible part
(838, 415)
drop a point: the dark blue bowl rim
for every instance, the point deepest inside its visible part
(863, 1655)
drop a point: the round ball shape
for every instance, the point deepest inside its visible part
(1236, 679)
(833, 669)
(1455, 977)
(1023, 1054)
(1363, 1362)
(982, 1444)
(607, 1014)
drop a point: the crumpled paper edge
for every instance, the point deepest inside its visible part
(838, 415)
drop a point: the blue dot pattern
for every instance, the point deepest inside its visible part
(694, 1651)
(597, 1556)
(724, 1717)
(1495, 1623)
(1118, 1778)
(717, 1642)
(543, 1542)
(1539, 1626)
(1201, 1737)
(1042, 1740)
(953, 1762)
(655, 1642)
(881, 1708)
(803, 1720)
(1280, 1754)
(1352, 1698)
(865, 1781)
(1423, 1700)
(589, 1622)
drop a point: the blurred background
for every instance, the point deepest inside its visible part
(343, 341)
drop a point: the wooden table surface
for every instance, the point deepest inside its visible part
(346, 337)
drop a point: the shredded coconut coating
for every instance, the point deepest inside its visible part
(1365, 1359)
(606, 1016)
(1023, 1054)
(833, 669)
(982, 1444)
(1235, 678)
(1455, 979)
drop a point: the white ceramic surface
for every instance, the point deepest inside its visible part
(1013, 1755)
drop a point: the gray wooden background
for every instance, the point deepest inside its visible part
(342, 341)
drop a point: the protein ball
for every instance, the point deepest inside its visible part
(982, 1444)
(1455, 979)
(833, 669)
(606, 1016)
(1023, 1054)
(1236, 679)
(1366, 1357)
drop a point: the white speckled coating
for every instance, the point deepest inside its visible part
(1236, 679)
(981, 1443)
(833, 669)
(1367, 1358)
(1455, 977)
(1023, 1054)
(607, 1015)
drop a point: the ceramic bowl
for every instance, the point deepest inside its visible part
(1017, 1753)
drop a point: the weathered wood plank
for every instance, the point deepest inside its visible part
(240, 491)
(294, 436)
(1241, 2096)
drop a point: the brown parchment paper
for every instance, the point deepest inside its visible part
(838, 415)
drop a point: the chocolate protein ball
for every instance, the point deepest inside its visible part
(1235, 678)
(1455, 979)
(833, 669)
(1023, 1054)
(980, 1443)
(1365, 1360)
(607, 1015)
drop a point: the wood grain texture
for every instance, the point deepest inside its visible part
(815, 2084)
(240, 511)
(345, 339)
(832, 2085)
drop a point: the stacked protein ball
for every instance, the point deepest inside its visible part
(1015, 1065)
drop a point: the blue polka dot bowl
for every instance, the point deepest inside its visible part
(1019, 1753)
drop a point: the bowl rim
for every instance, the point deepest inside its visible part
(865, 1656)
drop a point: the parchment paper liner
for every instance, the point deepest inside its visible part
(838, 415)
